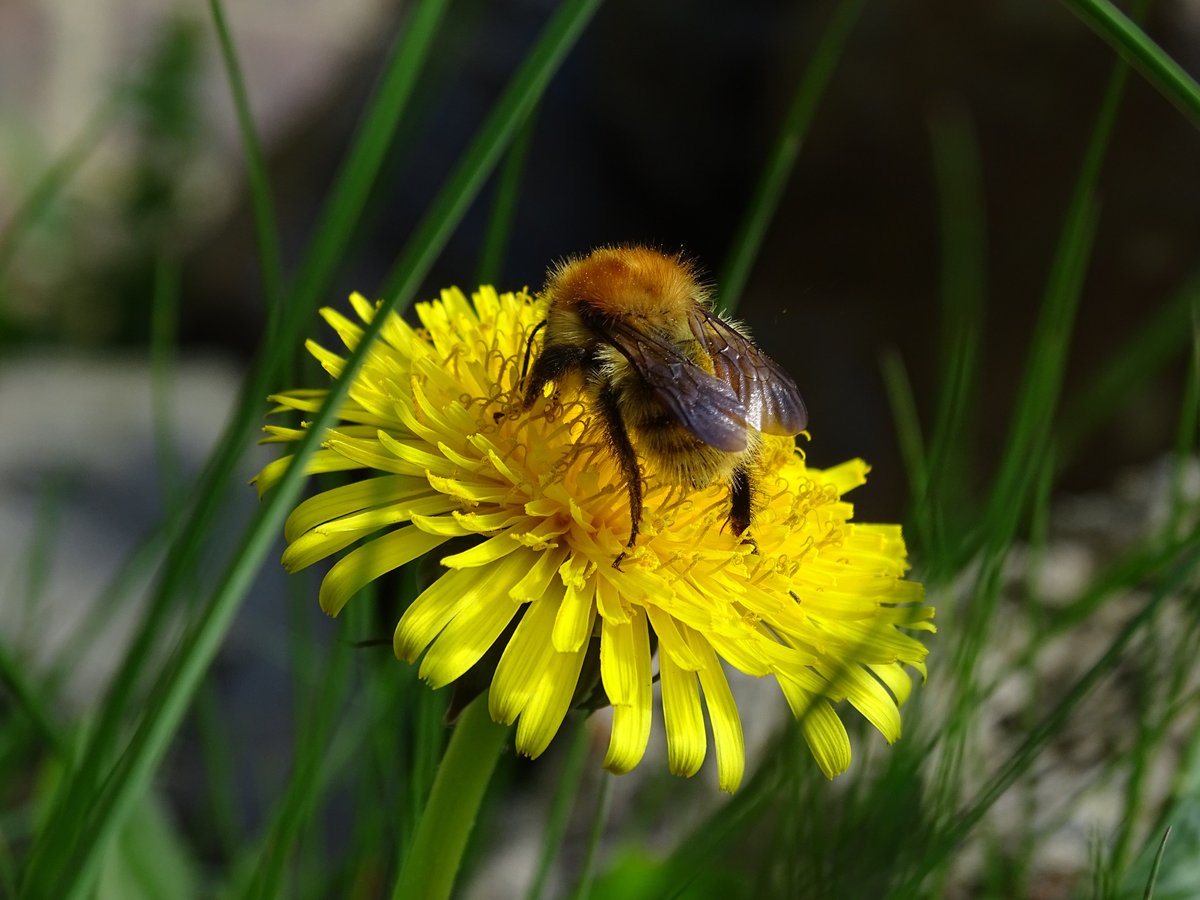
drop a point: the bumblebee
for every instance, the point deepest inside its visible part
(666, 375)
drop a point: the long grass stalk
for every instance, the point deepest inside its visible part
(963, 301)
(1028, 453)
(1156, 865)
(768, 192)
(86, 842)
(332, 235)
(71, 805)
(357, 173)
(306, 784)
(1134, 46)
(1038, 396)
(959, 825)
(560, 810)
(1144, 353)
(164, 323)
(908, 425)
(220, 769)
(504, 205)
(477, 163)
(266, 228)
(51, 183)
(29, 699)
(1186, 432)
(587, 871)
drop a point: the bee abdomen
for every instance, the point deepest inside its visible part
(678, 456)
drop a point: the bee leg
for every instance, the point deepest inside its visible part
(529, 346)
(554, 362)
(740, 495)
(618, 437)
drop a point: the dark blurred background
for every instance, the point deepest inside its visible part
(659, 125)
(655, 130)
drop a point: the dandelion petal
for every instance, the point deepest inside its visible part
(687, 741)
(370, 561)
(525, 657)
(723, 715)
(625, 671)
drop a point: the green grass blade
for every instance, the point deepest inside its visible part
(376, 823)
(75, 796)
(967, 694)
(71, 806)
(1029, 440)
(1038, 396)
(1185, 438)
(305, 785)
(1174, 870)
(8, 869)
(908, 431)
(1143, 354)
(334, 749)
(36, 700)
(177, 685)
(52, 181)
(220, 771)
(963, 286)
(52, 500)
(753, 227)
(315, 765)
(183, 545)
(959, 825)
(1133, 45)
(398, 689)
(428, 744)
(504, 206)
(135, 569)
(1157, 864)
(1123, 573)
(266, 229)
(323, 711)
(1146, 739)
(164, 322)
(560, 810)
(29, 699)
(587, 871)
(473, 169)
(356, 176)
(708, 837)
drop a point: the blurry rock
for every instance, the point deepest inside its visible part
(81, 487)
(135, 96)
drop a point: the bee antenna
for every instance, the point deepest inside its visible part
(529, 347)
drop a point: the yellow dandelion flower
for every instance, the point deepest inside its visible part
(818, 602)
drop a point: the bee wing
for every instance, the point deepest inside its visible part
(705, 405)
(765, 391)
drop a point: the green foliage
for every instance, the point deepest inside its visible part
(149, 858)
(1136, 47)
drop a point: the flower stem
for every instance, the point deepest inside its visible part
(599, 820)
(449, 816)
